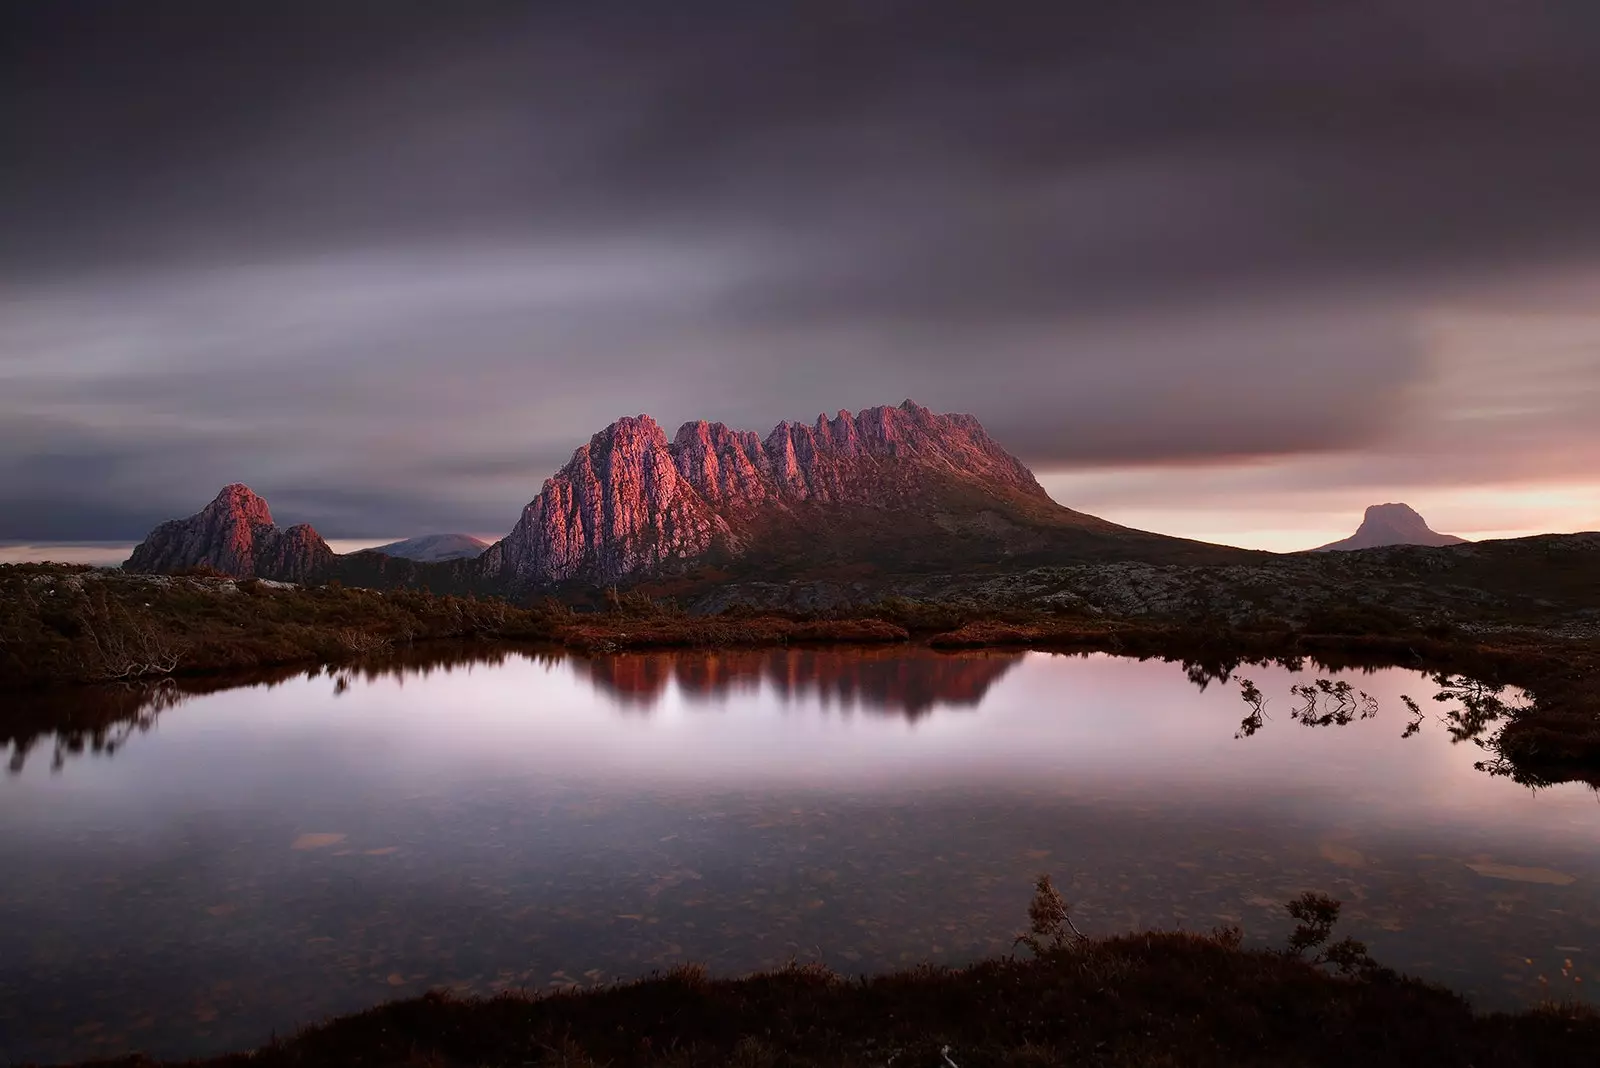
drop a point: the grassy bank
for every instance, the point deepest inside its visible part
(64, 625)
(1154, 999)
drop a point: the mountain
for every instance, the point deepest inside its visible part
(234, 534)
(1391, 524)
(892, 488)
(432, 548)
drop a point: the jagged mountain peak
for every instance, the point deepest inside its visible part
(634, 503)
(235, 535)
(1391, 524)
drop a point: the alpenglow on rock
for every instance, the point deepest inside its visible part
(1391, 524)
(633, 502)
(235, 535)
(891, 490)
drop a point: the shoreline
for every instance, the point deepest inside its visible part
(1156, 998)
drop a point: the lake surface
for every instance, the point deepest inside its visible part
(254, 859)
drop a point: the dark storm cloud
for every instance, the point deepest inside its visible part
(381, 250)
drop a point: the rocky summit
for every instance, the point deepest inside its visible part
(1391, 524)
(897, 486)
(235, 535)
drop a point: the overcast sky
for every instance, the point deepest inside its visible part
(1229, 270)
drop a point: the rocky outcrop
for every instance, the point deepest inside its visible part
(1391, 524)
(876, 457)
(632, 502)
(618, 508)
(235, 535)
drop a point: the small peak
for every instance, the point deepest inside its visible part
(629, 427)
(237, 491)
(694, 428)
(631, 420)
(304, 534)
(240, 499)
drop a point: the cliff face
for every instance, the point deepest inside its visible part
(234, 534)
(877, 457)
(619, 507)
(632, 502)
(1391, 524)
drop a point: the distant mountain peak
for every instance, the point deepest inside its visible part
(1391, 524)
(432, 548)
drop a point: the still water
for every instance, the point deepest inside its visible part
(254, 859)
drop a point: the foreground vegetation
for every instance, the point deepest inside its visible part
(1151, 999)
(72, 625)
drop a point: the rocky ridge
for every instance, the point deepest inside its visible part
(889, 489)
(632, 501)
(235, 535)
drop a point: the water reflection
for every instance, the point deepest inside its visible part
(907, 681)
(1471, 708)
(910, 682)
(264, 856)
(100, 720)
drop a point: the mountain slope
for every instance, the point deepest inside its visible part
(432, 548)
(1391, 524)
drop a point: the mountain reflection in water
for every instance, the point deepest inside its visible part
(904, 681)
(316, 842)
(908, 681)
